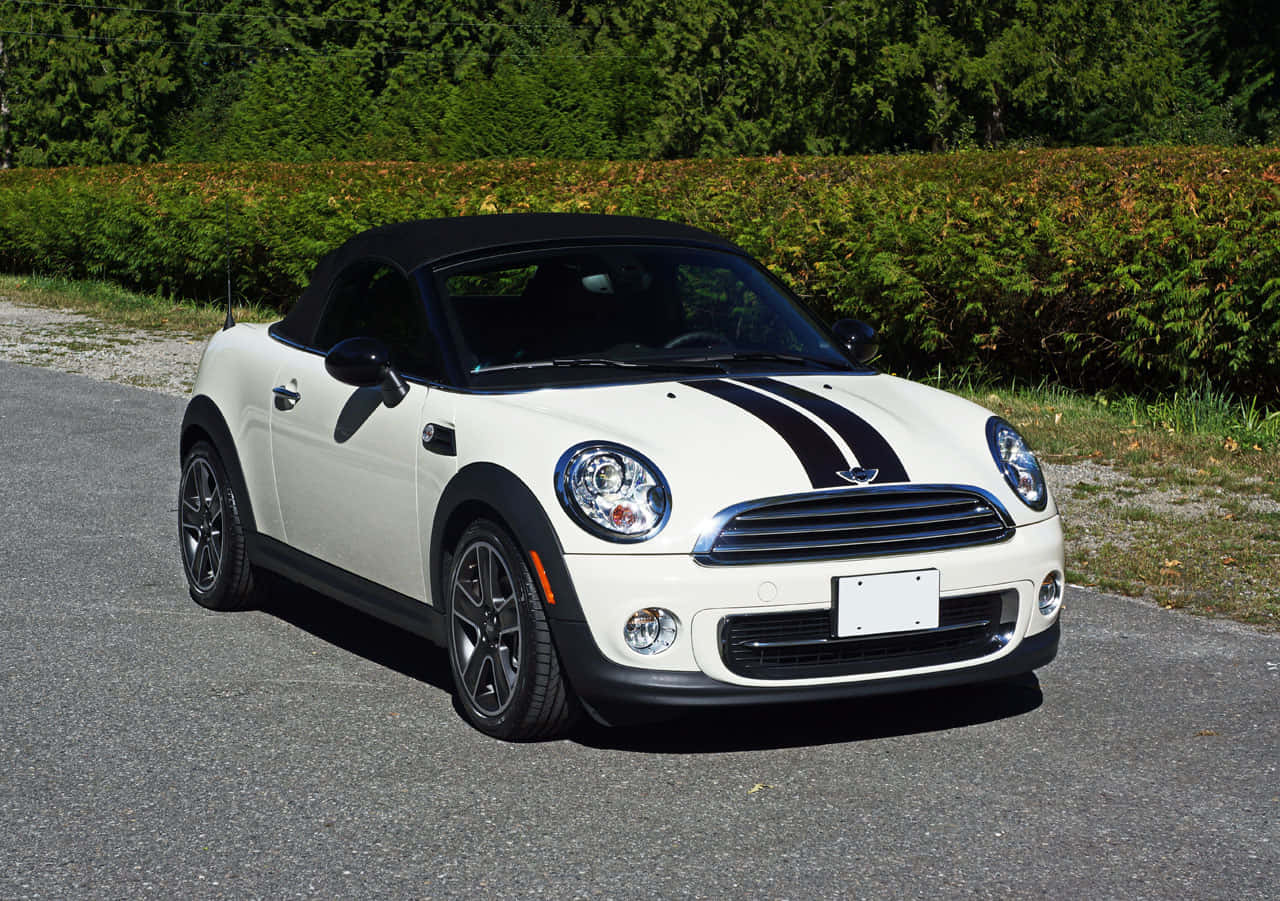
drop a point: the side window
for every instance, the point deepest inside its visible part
(375, 301)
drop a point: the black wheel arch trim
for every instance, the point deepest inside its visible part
(203, 415)
(512, 501)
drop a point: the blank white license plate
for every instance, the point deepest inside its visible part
(887, 602)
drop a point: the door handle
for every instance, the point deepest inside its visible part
(287, 396)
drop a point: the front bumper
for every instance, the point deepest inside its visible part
(606, 673)
(617, 693)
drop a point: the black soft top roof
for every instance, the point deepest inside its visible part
(430, 242)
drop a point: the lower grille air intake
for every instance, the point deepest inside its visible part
(803, 645)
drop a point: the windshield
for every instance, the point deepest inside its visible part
(579, 313)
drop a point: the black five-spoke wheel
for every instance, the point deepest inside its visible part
(210, 535)
(202, 524)
(505, 667)
(486, 628)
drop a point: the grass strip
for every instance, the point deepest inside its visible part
(1176, 499)
(119, 306)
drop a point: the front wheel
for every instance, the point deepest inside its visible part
(505, 666)
(210, 535)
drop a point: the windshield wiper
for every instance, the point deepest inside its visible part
(574, 362)
(769, 356)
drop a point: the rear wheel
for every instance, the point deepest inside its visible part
(210, 536)
(505, 666)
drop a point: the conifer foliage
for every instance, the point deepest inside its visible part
(1143, 268)
(84, 82)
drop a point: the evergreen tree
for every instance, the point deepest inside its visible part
(309, 79)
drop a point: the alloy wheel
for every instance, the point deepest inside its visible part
(485, 628)
(201, 520)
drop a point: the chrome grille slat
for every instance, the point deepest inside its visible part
(783, 642)
(843, 509)
(858, 522)
(854, 542)
(959, 516)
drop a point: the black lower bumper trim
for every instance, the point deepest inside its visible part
(613, 691)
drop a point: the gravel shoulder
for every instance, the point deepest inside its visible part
(75, 343)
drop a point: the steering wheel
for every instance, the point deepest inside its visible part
(710, 338)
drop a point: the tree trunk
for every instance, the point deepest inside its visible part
(6, 152)
(993, 128)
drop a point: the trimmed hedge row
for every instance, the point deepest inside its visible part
(1139, 268)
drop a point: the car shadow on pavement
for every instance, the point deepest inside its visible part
(703, 732)
(358, 633)
(796, 725)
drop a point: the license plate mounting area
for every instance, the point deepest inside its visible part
(884, 603)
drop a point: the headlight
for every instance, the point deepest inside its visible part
(612, 491)
(1016, 462)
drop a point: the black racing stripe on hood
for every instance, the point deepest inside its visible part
(870, 447)
(818, 454)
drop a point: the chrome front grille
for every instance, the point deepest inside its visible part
(854, 522)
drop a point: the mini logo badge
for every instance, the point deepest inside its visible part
(858, 476)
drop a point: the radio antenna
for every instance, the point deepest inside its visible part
(227, 236)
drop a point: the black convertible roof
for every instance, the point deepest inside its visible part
(429, 242)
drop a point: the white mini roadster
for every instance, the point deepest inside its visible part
(613, 465)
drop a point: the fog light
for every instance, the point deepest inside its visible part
(650, 631)
(1051, 593)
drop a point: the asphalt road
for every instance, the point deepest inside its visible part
(151, 748)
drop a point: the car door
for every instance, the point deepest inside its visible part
(354, 482)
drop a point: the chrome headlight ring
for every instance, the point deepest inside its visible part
(612, 491)
(1017, 463)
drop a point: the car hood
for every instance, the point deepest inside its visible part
(722, 441)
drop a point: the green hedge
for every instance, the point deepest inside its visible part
(1138, 268)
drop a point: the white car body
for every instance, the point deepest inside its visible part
(338, 477)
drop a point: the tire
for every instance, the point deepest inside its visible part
(210, 535)
(506, 672)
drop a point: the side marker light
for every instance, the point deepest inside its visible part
(542, 578)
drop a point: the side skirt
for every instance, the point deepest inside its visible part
(347, 588)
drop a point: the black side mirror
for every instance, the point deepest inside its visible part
(366, 363)
(858, 338)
